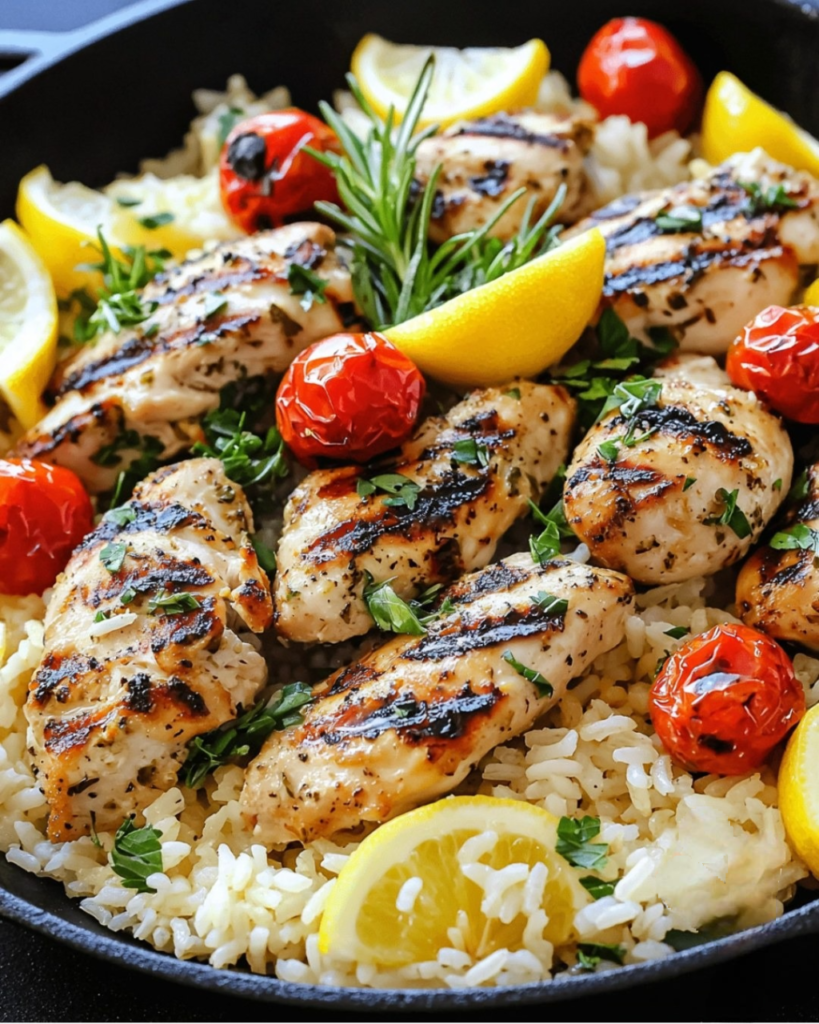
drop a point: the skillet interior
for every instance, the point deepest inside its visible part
(123, 96)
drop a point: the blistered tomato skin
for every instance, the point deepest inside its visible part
(264, 175)
(44, 514)
(635, 67)
(777, 356)
(724, 700)
(350, 397)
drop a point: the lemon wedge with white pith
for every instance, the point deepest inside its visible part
(514, 326)
(407, 884)
(736, 120)
(469, 83)
(28, 325)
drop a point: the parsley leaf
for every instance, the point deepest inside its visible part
(156, 220)
(679, 219)
(389, 611)
(573, 842)
(800, 488)
(251, 460)
(773, 199)
(246, 734)
(401, 489)
(677, 632)
(544, 687)
(732, 515)
(798, 536)
(309, 285)
(122, 516)
(215, 302)
(165, 603)
(546, 544)
(265, 555)
(689, 482)
(137, 853)
(101, 616)
(469, 451)
(777, 485)
(550, 604)
(127, 596)
(113, 555)
(632, 397)
(596, 887)
(227, 122)
(710, 932)
(589, 954)
(513, 393)
(608, 450)
(127, 201)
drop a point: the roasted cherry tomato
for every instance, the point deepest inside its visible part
(44, 514)
(724, 700)
(777, 356)
(635, 67)
(265, 177)
(350, 396)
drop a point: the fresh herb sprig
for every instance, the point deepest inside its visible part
(574, 837)
(400, 489)
(395, 615)
(244, 737)
(396, 272)
(537, 679)
(136, 855)
(796, 538)
(546, 544)
(731, 516)
(773, 199)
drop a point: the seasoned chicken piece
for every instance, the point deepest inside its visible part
(410, 720)
(778, 590)
(706, 283)
(485, 161)
(336, 538)
(659, 507)
(220, 318)
(141, 646)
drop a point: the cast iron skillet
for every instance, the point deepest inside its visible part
(93, 102)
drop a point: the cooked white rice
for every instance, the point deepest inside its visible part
(683, 851)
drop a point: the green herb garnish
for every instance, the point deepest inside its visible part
(389, 611)
(796, 537)
(550, 604)
(304, 282)
(677, 632)
(732, 515)
(165, 603)
(227, 122)
(544, 687)
(546, 544)
(689, 482)
(469, 451)
(122, 516)
(589, 954)
(679, 219)
(127, 596)
(401, 490)
(136, 854)
(596, 887)
(113, 555)
(773, 199)
(573, 842)
(265, 555)
(215, 302)
(800, 488)
(156, 220)
(608, 450)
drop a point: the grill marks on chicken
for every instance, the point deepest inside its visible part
(333, 537)
(124, 684)
(778, 591)
(704, 284)
(485, 161)
(654, 510)
(159, 379)
(410, 720)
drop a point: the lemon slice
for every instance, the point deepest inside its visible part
(61, 221)
(515, 326)
(798, 792)
(466, 84)
(413, 862)
(28, 325)
(736, 120)
(812, 294)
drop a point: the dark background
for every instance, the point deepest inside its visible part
(44, 981)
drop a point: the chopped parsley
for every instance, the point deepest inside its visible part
(265, 555)
(127, 201)
(589, 954)
(144, 460)
(544, 687)
(710, 932)
(127, 596)
(773, 199)
(136, 854)
(101, 616)
(689, 482)
(165, 603)
(122, 516)
(608, 450)
(800, 488)
(245, 736)
(796, 537)
(574, 842)
(596, 887)
(469, 451)
(546, 544)
(632, 397)
(389, 611)
(309, 285)
(677, 632)
(550, 604)
(679, 219)
(215, 302)
(777, 485)
(731, 516)
(401, 490)
(113, 555)
(513, 393)
(156, 220)
(227, 122)
(251, 460)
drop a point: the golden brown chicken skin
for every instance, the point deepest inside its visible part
(141, 646)
(409, 721)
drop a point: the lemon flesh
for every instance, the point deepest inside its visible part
(466, 84)
(736, 120)
(812, 294)
(28, 325)
(515, 326)
(798, 789)
(361, 921)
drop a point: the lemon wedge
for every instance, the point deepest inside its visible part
(416, 862)
(467, 83)
(514, 326)
(812, 294)
(736, 120)
(28, 325)
(798, 792)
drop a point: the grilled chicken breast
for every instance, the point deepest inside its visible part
(483, 162)
(778, 591)
(659, 509)
(157, 380)
(410, 720)
(131, 669)
(706, 282)
(335, 538)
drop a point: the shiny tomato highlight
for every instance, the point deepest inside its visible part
(635, 67)
(777, 356)
(724, 700)
(44, 514)
(350, 396)
(264, 175)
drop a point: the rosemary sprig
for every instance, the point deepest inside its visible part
(397, 273)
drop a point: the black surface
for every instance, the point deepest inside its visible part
(102, 108)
